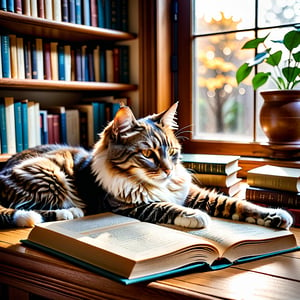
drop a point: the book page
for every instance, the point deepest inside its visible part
(139, 241)
(226, 233)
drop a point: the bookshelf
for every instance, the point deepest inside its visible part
(65, 92)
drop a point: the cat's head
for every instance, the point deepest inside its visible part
(146, 148)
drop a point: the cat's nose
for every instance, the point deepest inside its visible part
(167, 171)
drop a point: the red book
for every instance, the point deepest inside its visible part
(18, 6)
(50, 129)
(56, 129)
(41, 9)
(116, 59)
(94, 13)
(47, 61)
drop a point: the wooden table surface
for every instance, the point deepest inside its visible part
(25, 271)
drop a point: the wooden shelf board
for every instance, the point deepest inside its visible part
(64, 85)
(40, 27)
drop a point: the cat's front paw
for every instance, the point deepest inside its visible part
(279, 218)
(23, 218)
(192, 219)
(69, 214)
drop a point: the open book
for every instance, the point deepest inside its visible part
(128, 250)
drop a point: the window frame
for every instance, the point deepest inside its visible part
(185, 94)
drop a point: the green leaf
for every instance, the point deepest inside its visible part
(297, 56)
(260, 79)
(291, 73)
(292, 39)
(295, 83)
(281, 84)
(274, 59)
(254, 43)
(259, 58)
(243, 72)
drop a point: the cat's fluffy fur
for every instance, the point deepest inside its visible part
(134, 170)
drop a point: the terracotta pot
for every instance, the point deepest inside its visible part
(280, 117)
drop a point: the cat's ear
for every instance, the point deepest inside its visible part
(168, 117)
(124, 120)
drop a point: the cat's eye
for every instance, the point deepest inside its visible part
(147, 153)
(173, 151)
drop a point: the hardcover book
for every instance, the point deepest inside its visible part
(273, 177)
(211, 164)
(129, 251)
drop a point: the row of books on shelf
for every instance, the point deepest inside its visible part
(37, 58)
(112, 14)
(217, 171)
(275, 186)
(24, 124)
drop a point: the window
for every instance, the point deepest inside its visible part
(211, 34)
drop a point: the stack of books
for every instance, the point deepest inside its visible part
(216, 171)
(275, 186)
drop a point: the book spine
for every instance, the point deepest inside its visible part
(3, 5)
(41, 8)
(96, 120)
(50, 129)
(273, 197)
(273, 182)
(86, 12)
(3, 132)
(31, 125)
(109, 65)
(96, 58)
(44, 127)
(49, 10)
(18, 6)
(5, 56)
(101, 18)
(56, 129)
(124, 15)
(40, 58)
(34, 66)
(47, 61)
(65, 10)
(20, 58)
(61, 62)
(10, 5)
(63, 128)
(27, 59)
(208, 168)
(24, 109)
(107, 13)
(27, 8)
(91, 65)
(13, 56)
(54, 60)
(116, 64)
(56, 10)
(33, 8)
(94, 13)
(102, 65)
(72, 11)
(124, 64)
(67, 54)
(78, 12)
(78, 61)
(18, 126)
(10, 124)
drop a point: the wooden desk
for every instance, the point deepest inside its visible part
(25, 272)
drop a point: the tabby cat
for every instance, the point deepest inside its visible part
(133, 170)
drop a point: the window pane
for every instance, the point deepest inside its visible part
(222, 110)
(278, 12)
(235, 14)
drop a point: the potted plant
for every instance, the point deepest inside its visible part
(280, 113)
